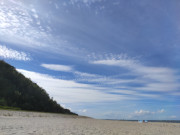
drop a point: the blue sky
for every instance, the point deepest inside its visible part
(108, 59)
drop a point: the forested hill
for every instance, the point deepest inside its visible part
(18, 91)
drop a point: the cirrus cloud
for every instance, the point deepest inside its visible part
(68, 91)
(158, 79)
(56, 67)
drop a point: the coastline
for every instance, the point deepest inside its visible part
(164, 121)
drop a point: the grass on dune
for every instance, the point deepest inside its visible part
(9, 108)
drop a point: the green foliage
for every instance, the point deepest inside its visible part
(2, 102)
(9, 108)
(18, 91)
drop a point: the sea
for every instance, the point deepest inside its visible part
(165, 121)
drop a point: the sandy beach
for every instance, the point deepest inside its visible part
(33, 123)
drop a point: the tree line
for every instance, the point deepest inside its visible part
(18, 91)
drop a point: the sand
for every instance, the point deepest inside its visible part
(32, 123)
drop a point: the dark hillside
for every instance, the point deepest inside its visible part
(18, 91)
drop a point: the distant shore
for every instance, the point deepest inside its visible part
(164, 121)
(35, 123)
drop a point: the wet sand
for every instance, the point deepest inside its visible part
(33, 123)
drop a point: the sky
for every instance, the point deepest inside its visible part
(106, 59)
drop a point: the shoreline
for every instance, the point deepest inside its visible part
(163, 121)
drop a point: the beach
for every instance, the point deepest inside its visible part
(35, 123)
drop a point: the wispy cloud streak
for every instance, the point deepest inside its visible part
(156, 79)
(56, 67)
(68, 91)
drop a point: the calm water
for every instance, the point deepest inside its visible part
(167, 121)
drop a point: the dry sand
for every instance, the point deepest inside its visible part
(32, 123)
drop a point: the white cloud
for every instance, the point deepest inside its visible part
(136, 93)
(65, 91)
(56, 67)
(64, 106)
(117, 86)
(86, 2)
(160, 86)
(16, 25)
(143, 112)
(161, 111)
(86, 76)
(65, 68)
(121, 63)
(101, 80)
(8, 53)
(146, 112)
(173, 117)
(56, 6)
(152, 78)
(83, 110)
(21, 25)
(33, 10)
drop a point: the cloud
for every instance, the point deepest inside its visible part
(175, 93)
(173, 117)
(83, 74)
(16, 25)
(143, 112)
(26, 26)
(64, 106)
(83, 110)
(66, 91)
(121, 63)
(161, 111)
(56, 67)
(145, 81)
(136, 94)
(146, 112)
(65, 68)
(9, 53)
(157, 79)
(101, 82)
(86, 2)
